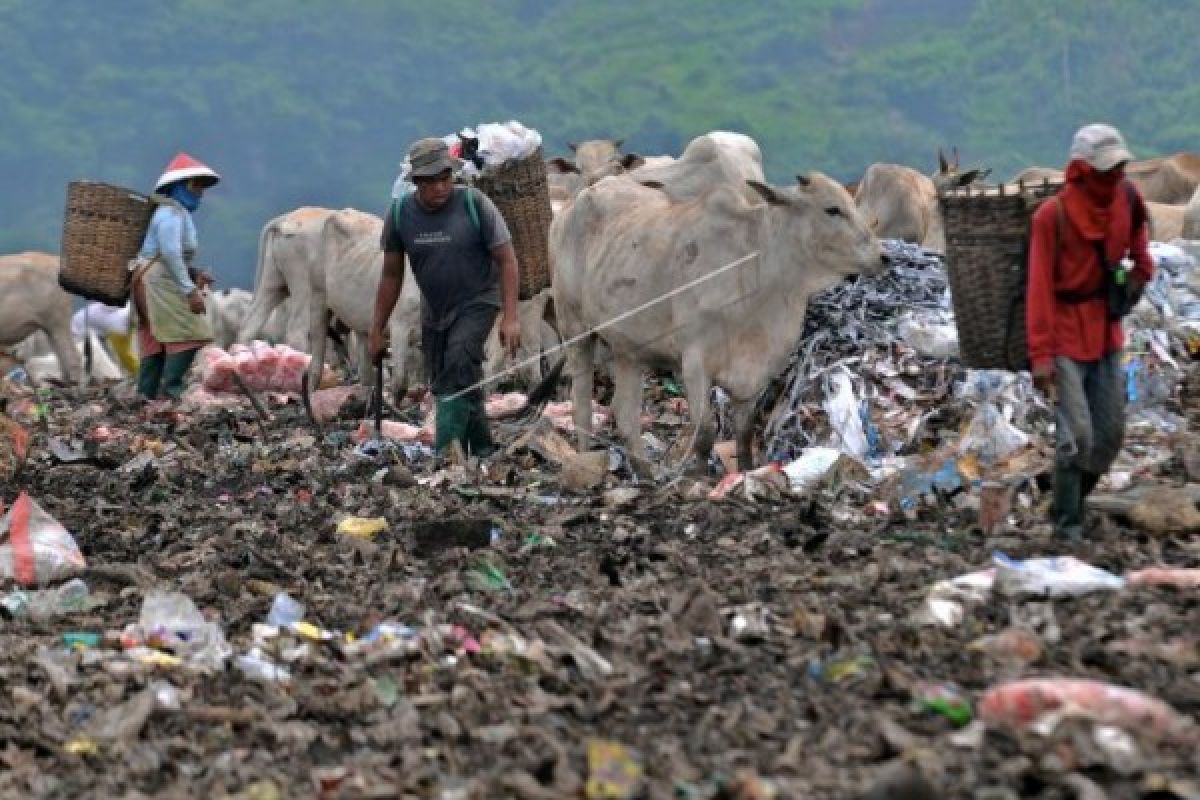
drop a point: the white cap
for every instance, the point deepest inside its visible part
(1101, 146)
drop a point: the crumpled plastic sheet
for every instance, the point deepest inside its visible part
(856, 326)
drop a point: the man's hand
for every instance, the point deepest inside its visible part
(196, 301)
(377, 344)
(510, 334)
(1046, 382)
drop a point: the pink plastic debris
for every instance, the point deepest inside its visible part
(1028, 704)
(328, 403)
(500, 405)
(1176, 577)
(395, 431)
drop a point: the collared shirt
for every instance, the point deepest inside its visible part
(171, 234)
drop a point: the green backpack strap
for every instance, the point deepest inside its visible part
(472, 211)
(396, 204)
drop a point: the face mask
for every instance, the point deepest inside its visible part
(181, 194)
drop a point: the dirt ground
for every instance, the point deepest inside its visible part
(736, 649)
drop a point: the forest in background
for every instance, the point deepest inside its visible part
(308, 102)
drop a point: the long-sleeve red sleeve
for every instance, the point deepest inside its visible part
(1039, 297)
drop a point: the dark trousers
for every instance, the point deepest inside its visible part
(1090, 424)
(454, 348)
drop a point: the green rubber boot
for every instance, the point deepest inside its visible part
(1068, 503)
(174, 371)
(150, 371)
(478, 437)
(453, 416)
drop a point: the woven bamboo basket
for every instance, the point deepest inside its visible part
(521, 194)
(987, 232)
(103, 228)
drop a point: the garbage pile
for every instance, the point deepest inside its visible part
(260, 609)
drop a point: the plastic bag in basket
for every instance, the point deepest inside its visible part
(35, 550)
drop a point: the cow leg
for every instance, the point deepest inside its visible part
(318, 326)
(63, 344)
(743, 426)
(698, 386)
(265, 301)
(627, 405)
(580, 365)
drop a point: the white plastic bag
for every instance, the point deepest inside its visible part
(841, 404)
(171, 620)
(35, 549)
(991, 436)
(813, 464)
(930, 335)
(1058, 576)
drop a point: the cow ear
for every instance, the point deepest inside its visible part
(561, 165)
(804, 180)
(616, 143)
(632, 161)
(767, 193)
(943, 167)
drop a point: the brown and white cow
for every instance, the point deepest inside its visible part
(901, 203)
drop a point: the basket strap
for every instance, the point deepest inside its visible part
(472, 211)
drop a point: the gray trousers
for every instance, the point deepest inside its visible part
(1091, 413)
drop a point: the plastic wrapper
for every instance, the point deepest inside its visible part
(35, 549)
(393, 431)
(991, 435)
(169, 620)
(931, 334)
(813, 464)
(327, 404)
(1174, 577)
(841, 404)
(947, 601)
(1039, 704)
(1060, 576)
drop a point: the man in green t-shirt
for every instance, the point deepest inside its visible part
(463, 260)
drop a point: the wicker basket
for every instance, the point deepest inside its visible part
(986, 245)
(103, 228)
(521, 194)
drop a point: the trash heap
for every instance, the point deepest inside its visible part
(876, 378)
(487, 145)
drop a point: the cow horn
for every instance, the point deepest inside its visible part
(767, 193)
(943, 167)
(803, 180)
(573, 145)
(616, 143)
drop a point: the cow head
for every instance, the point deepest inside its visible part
(950, 176)
(822, 228)
(596, 159)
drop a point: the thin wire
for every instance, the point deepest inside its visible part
(596, 328)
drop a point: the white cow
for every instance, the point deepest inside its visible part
(538, 336)
(344, 281)
(289, 249)
(228, 311)
(31, 300)
(622, 245)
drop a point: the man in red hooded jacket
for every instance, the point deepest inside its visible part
(1074, 339)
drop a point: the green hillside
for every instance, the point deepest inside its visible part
(313, 102)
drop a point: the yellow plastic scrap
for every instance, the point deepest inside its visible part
(81, 746)
(310, 631)
(362, 527)
(613, 772)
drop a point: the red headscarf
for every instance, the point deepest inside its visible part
(1088, 197)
